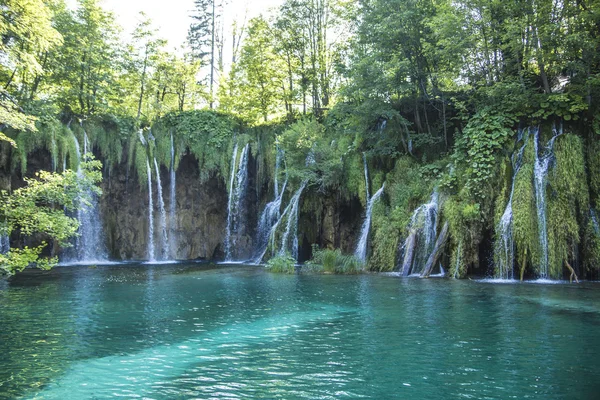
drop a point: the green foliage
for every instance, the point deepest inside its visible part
(208, 135)
(564, 106)
(568, 202)
(141, 160)
(284, 264)
(407, 189)
(525, 228)
(39, 209)
(593, 162)
(334, 262)
(465, 226)
(385, 239)
(591, 244)
(477, 150)
(18, 259)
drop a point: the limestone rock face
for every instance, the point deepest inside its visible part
(199, 228)
(331, 222)
(201, 214)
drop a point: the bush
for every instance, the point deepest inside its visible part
(334, 262)
(283, 264)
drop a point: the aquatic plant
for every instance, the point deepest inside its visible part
(282, 263)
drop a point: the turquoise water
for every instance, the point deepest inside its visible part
(202, 331)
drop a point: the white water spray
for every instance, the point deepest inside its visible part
(541, 167)
(89, 245)
(150, 245)
(172, 204)
(164, 239)
(361, 248)
(423, 227)
(292, 225)
(236, 221)
(504, 250)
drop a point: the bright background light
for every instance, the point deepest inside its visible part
(172, 17)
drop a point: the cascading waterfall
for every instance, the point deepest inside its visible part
(504, 251)
(270, 215)
(164, 239)
(361, 248)
(423, 229)
(594, 218)
(4, 244)
(89, 245)
(237, 192)
(278, 157)
(172, 204)
(150, 248)
(292, 212)
(366, 167)
(292, 225)
(541, 167)
(230, 204)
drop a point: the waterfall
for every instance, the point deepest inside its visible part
(237, 194)
(594, 218)
(89, 245)
(366, 167)
(4, 244)
(150, 248)
(276, 177)
(230, 204)
(292, 208)
(292, 224)
(361, 248)
(423, 229)
(270, 214)
(164, 240)
(172, 204)
(458, 261)
(504, 249)
(541, 167)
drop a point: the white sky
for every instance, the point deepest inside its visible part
(172, 17)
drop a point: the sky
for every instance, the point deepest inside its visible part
(171, 17)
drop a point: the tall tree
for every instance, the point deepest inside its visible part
(203, 36)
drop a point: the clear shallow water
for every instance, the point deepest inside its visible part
(200, 331)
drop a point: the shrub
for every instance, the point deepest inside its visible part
(334, 262)
(284, 264)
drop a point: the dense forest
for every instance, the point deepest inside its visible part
(465, 130)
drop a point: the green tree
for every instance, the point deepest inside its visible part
(37, 211)
(258, 74)
(203, 37)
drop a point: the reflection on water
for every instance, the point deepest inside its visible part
(185, 331)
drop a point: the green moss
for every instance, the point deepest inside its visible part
(525, 229)
(591, 247)
(385, 236)
(568, 202)
(458, 268)
(207, 135)
(141, 163)
(593, 160)
(465, 226)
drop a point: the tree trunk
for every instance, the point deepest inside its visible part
(409, 252)
(440, 243)
(142, 84)
(212, 55)
(573, 274)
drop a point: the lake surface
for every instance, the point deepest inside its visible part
(205, 331)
